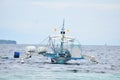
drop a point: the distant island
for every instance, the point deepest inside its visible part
(8, 42)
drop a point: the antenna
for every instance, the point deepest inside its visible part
(63, 36)
(63, 29)
(63, 22)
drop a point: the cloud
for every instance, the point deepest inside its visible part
(63, 4)
(66, 5)
(54, 5)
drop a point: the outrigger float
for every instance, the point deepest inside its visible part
(59, 49)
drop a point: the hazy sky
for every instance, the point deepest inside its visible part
(91, 21)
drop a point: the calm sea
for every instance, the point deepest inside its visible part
(39, 67)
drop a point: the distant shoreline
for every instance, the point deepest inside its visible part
(8, 42)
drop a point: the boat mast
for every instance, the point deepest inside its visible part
(63, 36)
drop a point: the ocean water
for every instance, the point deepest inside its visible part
(40, 68)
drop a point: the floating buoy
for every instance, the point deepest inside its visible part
(16, 54)
(91, 58)
(28, 54)
(42, 50)
(30, 49)
(22, 61)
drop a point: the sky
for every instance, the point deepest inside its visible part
(92, 22)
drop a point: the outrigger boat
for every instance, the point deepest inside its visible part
(59, 49)
(60, 54)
